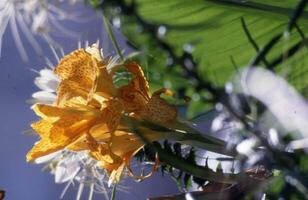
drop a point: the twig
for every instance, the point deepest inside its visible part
(251, 40)
(296, 14)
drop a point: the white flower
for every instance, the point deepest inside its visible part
(33, 17)
(287, 110)
(48, 83)
(70, 167)
(285, 105)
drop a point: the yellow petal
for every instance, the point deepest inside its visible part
(69, 89)
(103, 84)
(140, 82)
(78, 72)
(80, 144)
(116, 174)
(59, 128)
(102, 153)
(46, 145)
(78, 66)
(42, 128)
(95, 52)
(158, 111)
(132, 98)
(63, 117)
(122, 145)
(42, 148)
(112, 113)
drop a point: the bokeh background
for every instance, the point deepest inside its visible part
(22, 180)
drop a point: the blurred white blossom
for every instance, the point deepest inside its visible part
(285, 105)
(246, 147)
(35, 17)
(286, 112)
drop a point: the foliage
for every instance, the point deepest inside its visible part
(206, 37)
(194, 47)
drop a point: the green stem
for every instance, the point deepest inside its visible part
(113, 194)
(112, 37)
(182, 133)
(195, 170)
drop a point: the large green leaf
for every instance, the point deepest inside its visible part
(213, 29)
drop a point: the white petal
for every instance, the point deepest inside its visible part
(47, 80)
(217, 123)
(44, 97)
(298, 144)
(46, 84)
(49, 74)
(246, 146)
(47, 158)
(273, 137)
(39, 22)
(66, 170)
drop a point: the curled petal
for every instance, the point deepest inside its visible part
(140, 83)
(103, 83)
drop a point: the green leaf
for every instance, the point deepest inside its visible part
(187, 181)
(214, 33)
(277, 185)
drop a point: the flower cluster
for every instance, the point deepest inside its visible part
(67, 166)
(87, 112)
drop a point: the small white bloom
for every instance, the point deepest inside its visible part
(246, 146)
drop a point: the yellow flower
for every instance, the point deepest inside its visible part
(89, 107)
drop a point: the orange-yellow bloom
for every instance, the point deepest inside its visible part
(89, 108)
